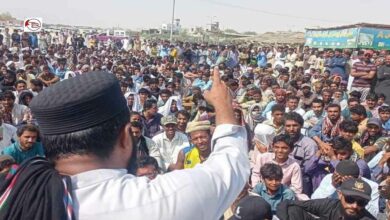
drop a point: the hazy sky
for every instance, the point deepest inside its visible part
(241, 15)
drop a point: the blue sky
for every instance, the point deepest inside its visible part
(242, 15)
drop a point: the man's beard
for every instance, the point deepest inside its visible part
(350, 217)
(295, 137)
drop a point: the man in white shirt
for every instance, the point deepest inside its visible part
(170, 142)
(292, 105)
(13, 113)
(99, 146)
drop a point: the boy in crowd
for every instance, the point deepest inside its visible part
(147, 166)
(384, 116)
(271, 189)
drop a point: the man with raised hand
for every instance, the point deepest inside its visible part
(88, 144)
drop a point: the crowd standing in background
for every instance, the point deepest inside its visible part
(317, 121)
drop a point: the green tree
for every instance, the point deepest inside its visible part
(231, 31)
(249, 33)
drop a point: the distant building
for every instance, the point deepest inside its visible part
(150, 31)
(196, 31)
(166, 28)
(214, 27)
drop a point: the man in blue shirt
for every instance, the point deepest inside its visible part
(26, 146)
(337, 64)
(61, 69)
(261, 59)
(204, 83)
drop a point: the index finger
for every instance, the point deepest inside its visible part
(216, 75)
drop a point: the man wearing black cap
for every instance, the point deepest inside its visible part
(88, 143)
(252, 207)
(354, 194)
(345, 170)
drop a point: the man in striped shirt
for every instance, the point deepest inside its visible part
(364, 72)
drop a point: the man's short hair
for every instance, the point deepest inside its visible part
(355, 94)
(7, 94)
(20, 81)
(327, 71)
(136, 124)
(6, 161)
(284, 138)
(353, 99)
(134, 113)
(327, 91)
(184, 113)
(166, 91)
(349, 126)
(318, 101)
(381, 95)
(28, 127)
(372, 96)
(271, 171)
(153, 81)
(359, 110)
(147, 161)
(36, 82)
(334, 105)
(293, 116)
(278, 107)
(149, 104)
(384, 108)
(340, 143)
(256, 91)
(293, 97)
(124, 84)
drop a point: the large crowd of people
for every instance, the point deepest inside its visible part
(316, 123)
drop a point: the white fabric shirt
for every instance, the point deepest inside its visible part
(18, 112)
(264, 134)
(154, 151)
(8, 133)
(170, 149)
(165, 110)
(204, 192)
(297, 110)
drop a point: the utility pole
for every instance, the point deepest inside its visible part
(173, 18)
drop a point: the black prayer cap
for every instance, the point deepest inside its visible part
(78, 103)
(252, 208)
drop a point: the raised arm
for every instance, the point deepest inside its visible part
(221, 177)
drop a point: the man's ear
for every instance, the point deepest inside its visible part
(125, 141)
